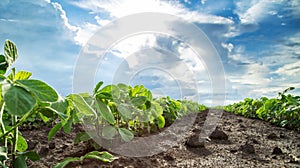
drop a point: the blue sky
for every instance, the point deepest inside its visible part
(258, 42)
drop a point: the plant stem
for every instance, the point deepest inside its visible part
(2, 126)
(15, 139)
(20, 122)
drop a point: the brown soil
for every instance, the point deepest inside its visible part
(236, 142)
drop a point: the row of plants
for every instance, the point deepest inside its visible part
(110, 111)
(284, 110)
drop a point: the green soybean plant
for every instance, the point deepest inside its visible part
(284, 110)
(20, 98)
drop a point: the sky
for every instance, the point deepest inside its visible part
(245, 48)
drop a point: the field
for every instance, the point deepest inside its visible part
(40, 128)
(238, 142)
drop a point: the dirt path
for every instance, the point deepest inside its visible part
(236, 142)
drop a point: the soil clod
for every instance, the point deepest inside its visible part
(248, 149)
(277, 151)
(218, 135)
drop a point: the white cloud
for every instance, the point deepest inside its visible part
(292, 69)
(43, 35)
(228, 46)
(255, 74)
(63, 16)
(102, 22)
(85, 32)
(121, 8)
(252, 12)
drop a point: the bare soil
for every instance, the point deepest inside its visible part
(236, 142)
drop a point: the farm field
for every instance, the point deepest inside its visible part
(40, 128)
(238, 142)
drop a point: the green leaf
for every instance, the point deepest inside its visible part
(54, 130)
(10, 52)
(61, 115)
(126, 135)
(81, 137)
(3, 65)
(42, 90)
(44, 115)
(68, 125)
(108, 132)
(12, 74)
(101, 156)
(106, 112)
(156, 109)
(3, 153)
(21, 144)
(2, 165)
(22, 75)
(125, 111)
(82, 107)
(66, 161)
(20, 162)
(32, 155)
(98, 87)
(138, 101)
(18, 100)
(160, 122)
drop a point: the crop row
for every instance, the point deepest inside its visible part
(284, 110)
(111, 111)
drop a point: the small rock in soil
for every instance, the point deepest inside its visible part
(31, 144)
(277, 151)
(272, 136)
(194, 142)
(248, 148)
(255, 141)
(218, 135)
(44, 151)
(233, 150)
(169, 158)
(51, 145)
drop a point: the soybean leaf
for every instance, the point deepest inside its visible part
(125, 111)
(54, 130)
(20, 162)
(32, 155)
(138, 101)
(102, 156)
(98, 87)
(60, 107)
(21, 144)
(68, 124)
(2, 165)
(60, 114)
(160, 122)
(3, 65)
(108, 132)
(22, 75)
(81, 106)
(3, 153)
(126, 134)
(106, 112)
(12, 74)
(156, 109)
(66, 161)
(18, 100)
(81, 137)
(10, 52)
(42, 90)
